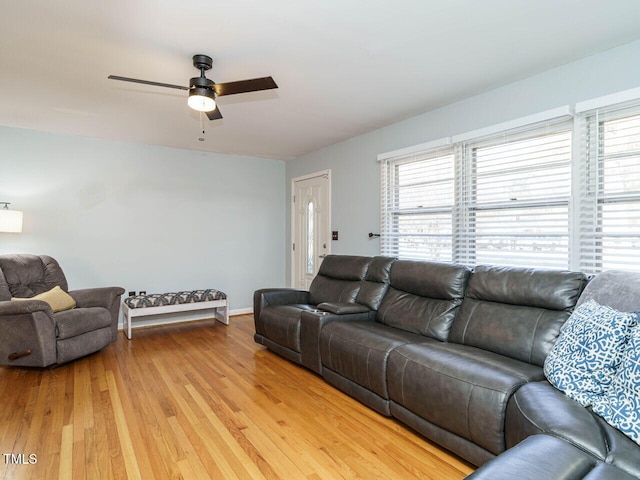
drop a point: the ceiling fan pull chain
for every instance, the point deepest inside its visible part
(202, 126)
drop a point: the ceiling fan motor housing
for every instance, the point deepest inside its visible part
(202, 62)
(201, 82)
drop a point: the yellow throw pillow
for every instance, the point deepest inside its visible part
(56, 297)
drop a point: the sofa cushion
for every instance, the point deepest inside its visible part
(376, 282)
(5, 293)
(81, 345)
(27, 275)
(615, 288)
(339, 279)
(359, 351)
(78, 321)
(516, 312)
(538, 407)
(423, 297)
(545, 457)
(58, 299)
(462, 389)
(584, 359)
(620, 404)
(344, 267)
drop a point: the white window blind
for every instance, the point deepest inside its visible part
(503, 200)
(609, 203)
(529, 196)
(514, 198)
(417, 204)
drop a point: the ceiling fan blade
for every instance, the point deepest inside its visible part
(214, 114)
(146, 82)
(244, 86)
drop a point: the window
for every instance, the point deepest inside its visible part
(417, 206)
(515, 208)
(609, 234)
(503, 199)
(525, 193)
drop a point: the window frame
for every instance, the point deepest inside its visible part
(593, 197)
(464, 210)
(471, 205)
(391, 238)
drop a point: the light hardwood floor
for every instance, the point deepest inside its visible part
(199, 400)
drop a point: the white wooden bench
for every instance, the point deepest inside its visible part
(175, 302)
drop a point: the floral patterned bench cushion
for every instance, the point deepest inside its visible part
(175, 298)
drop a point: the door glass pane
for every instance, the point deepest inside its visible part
(310, 235)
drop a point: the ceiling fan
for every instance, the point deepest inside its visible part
(203, 92)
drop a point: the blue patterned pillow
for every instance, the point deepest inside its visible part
(583, 361)
(620, 405)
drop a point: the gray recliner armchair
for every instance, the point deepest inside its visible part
(32, 334)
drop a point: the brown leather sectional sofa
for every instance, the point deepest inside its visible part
(456, 354)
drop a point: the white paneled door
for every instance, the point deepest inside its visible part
(311, 235)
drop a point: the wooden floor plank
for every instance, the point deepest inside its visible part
(65, 471)
(128, 451)
(201, 400)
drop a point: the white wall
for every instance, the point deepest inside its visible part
(355, 172)
(145, 217)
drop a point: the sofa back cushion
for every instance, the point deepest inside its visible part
(339, 279)
(26, 275)
(614, 288)
(516, 312)
(376, 282)
(5, 293)
(423, 297)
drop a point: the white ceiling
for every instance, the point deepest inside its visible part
(344, 67)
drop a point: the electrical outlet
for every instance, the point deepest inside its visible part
(143, 292)
(132, 294)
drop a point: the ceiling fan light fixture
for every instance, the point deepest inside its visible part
(201, 99)
(203, 92)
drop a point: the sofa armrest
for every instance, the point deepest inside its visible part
(96, 297)
(282, 296)
(343, 308)
(105, 297)
(24, 306)
(277, 296)
(28, 331)
(310, 327)
(544, 456)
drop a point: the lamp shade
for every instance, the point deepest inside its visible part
(201, 99)
(10, 221)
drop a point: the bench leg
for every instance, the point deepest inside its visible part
(222, 314)
(127, 321)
